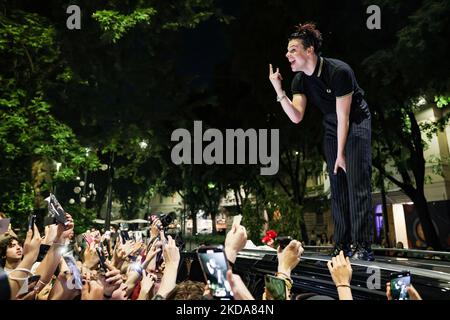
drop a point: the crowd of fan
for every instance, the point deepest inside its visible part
(143, 269)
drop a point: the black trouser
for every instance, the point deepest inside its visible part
(351, 200)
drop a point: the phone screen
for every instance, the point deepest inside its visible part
(237, 219)
(56, 210)
(70, 261)
(276, 287)
(4, 225)
(399, 285)
(31, 221)
(215, 265)
(102, 259)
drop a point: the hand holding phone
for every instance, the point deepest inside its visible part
(4, 225)
(237, 220)
(399, 282)
(102, 259)
(283, 242)
(31, 223)
(215, 265)
(71, 263)
(275, 288)
(56, 210)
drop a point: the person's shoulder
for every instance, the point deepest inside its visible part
(336, 64)
(298, 77)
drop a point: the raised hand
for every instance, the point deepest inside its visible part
(32, 244)
(275, 78)
(289, 257)
(340, 270)
(235, 241)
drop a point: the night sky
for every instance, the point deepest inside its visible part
(206, 46)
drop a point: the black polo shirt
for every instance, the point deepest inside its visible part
(331, 79)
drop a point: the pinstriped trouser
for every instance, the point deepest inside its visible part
(351, 200)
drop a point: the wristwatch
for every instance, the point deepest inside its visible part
(279, 99)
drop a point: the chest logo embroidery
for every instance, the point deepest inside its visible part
(328, 90)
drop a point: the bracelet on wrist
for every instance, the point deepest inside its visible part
(280, 98)
(343, 286)
(283, 275)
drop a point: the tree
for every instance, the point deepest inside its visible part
(112, 83)
(31, 138)
(407, 54)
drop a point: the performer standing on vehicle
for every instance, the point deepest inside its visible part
(330, 85)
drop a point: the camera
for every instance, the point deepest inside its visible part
(167, 219)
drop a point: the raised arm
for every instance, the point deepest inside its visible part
(295, 108)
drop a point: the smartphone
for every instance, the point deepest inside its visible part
(4, 225)
(31, 222)
(70, 261)
(159, 255)
(24, 290)
(215, 265)
(237, 219)
(34, 278)
(283, 242)
(400, 282)
(43, 249)
(275, 287)
(56, 210)
(102, 259)
(49, 221)
(88, 239)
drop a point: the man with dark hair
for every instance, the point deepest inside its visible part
(11, 253)
(331, 86)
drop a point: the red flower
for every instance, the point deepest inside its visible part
(269, 237)
(272, 234)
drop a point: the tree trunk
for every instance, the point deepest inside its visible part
(423, 212)
(194, 221)
(304, 232)
(213, 221)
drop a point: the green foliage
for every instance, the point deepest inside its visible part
(29, 131)
(442, 101)
(18, 204)
(82, 217)
(253, 220)
(289, 223)
(115, 24)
